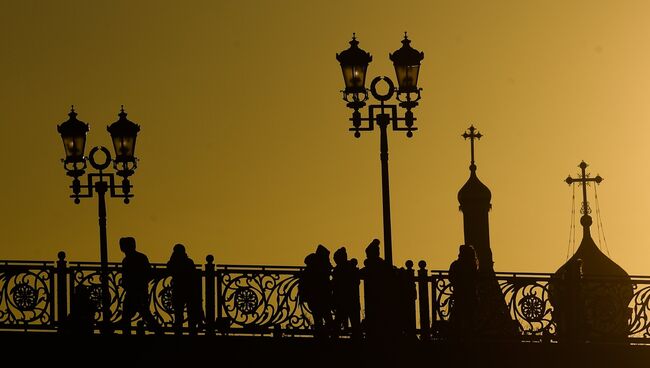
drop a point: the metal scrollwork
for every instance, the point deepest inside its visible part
(529, 305)
(246, 300)
(532, 308)
(264, 299)
(160, 301)
(91, 278)
(444, 294)
(640, 317)
(165, 297)
(95, 292)
(26, 297)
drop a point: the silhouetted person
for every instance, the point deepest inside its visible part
(463, 275)
(405, 296)
(81, 319)
(136, 274)
(186, 289)
(315, 287)
(345, 292)
(379, 290)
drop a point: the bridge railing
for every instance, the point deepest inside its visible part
(264, 300)
(27, 295)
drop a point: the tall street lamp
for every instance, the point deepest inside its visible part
(354, 64)
(123, 133)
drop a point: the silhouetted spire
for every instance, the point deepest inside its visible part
(604, 302)
(474, 192)
(474, 199)
(584, 179)
(594, 262)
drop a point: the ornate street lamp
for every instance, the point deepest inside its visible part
(406, 61)
(354, 64)
(124, 133)
(73, 132)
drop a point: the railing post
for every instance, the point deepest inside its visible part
(423, 297)
(411, 294)
(61, 288)
(219, 277)
(209, 294)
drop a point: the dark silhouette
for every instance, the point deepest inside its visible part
(475, 203)
(345, 292)
(590, 293)
(379, 290)
(463, 275)
(316, 289)
(405, 296)
(568, 301)
(186, 289)
(81, 319)
(354, 62)
(136, 274)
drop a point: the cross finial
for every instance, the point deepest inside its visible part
(473, 133)
(584, 179)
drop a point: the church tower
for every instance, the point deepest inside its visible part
(474, 198)
(590, 293)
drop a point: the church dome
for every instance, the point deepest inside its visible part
(594, 261)
(474, 192)
(601, 295)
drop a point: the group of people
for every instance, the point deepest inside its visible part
(332, 294)
(324, 288)
(136, 275)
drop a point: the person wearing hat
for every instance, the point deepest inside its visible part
(379, 291)
(316, 289)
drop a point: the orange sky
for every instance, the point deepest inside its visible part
(244, 148)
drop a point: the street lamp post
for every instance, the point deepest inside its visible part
(123, 133)
(354, 65)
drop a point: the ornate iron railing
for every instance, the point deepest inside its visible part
(160, 301)
(27, 295)
(264, 300)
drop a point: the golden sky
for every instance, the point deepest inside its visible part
(245, 151)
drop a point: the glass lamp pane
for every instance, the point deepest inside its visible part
(407, 77)
(124, 147)
(354, 77)
(74, 146)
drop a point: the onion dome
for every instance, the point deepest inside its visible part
(594, 261)
(474, 192)
(590, 293)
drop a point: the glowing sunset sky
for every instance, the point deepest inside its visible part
(245, 151)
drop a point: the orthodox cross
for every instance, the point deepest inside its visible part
(471, 135)
(584, 179)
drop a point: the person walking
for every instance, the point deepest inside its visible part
(136, 274)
